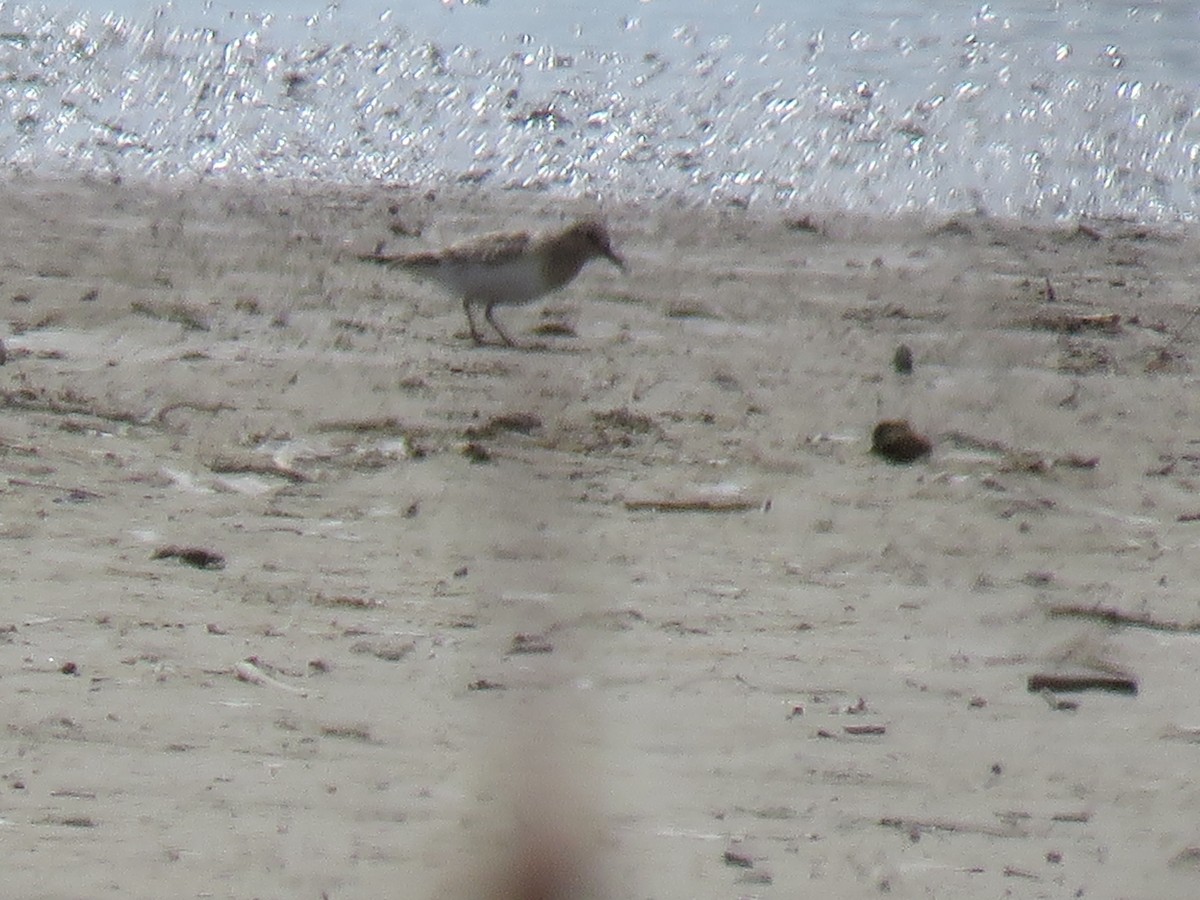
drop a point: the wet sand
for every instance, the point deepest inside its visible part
(458, 569)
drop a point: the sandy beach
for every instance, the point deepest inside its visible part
(306, 594)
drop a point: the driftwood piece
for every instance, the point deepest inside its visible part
(1114, 684)
(1112, 616)
(700, 503)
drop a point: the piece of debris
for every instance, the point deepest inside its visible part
(248, 671)
(1114, 684)
(688, 309)
(805, 222)
(902, 360)
(191, 318)
(740, 858)
(1081, 816)
(530, 643)
(193, 556)
(388, 651)
(485, 684)
(70, 821)
(1187, 858)
(230, 466)
(1014, 872)
(1112, 616)
(70, 494)
(347, 601)
(914, 827)
(624, 419)
(865, 729)
(1075, 461)
(1074, 323)
(757, 876)
(519, 422)
(1049, 294)
(700, 503)
(476, 452)
(348, 732)
(1056, 703)
(895, 441)
(554, 328)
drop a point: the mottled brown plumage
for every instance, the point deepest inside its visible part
(508, 269)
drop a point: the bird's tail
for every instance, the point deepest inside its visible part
(400, 260)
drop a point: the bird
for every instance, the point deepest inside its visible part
(508, 268)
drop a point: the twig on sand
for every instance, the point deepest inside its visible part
(229, 466)
(1014, 459)
(915, 826)
(1014, 872)
(160, 416)
(1073, 323)
(697, 504)
(76, 493)
(67, 403)
(1113, 616)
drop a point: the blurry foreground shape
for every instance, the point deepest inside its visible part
(545, 863)
(543, 833)
(550, 851)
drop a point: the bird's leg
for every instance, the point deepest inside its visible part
(471, 322)
(487, 314)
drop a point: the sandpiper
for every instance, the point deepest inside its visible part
(508, 269)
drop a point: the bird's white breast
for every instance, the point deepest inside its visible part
(510, 281)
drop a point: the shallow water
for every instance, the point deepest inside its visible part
(1028, 109)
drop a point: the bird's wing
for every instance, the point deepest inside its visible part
(488, 248)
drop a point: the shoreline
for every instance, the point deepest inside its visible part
(464, 192)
